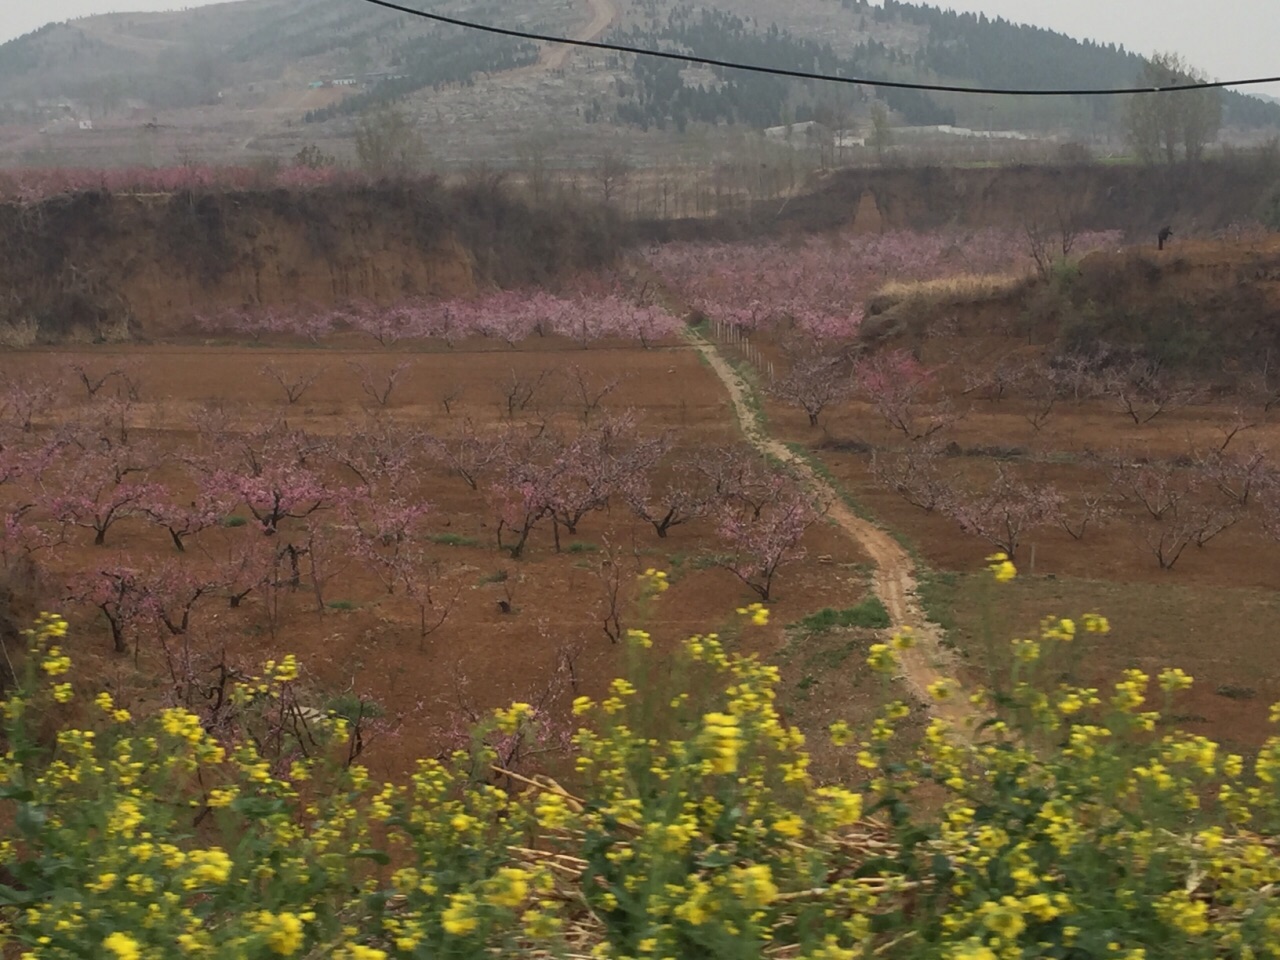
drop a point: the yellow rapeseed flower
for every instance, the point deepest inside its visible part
(1001, 567)
(840, 733)
(1026, 651)
(55, 662)
(973, 950)
(541, 923)
(881, 659)
(724, 738)
(284, 931)
(1174, 679)
(789, 826)
(211, 866)
(654, 581)
(508, 888)
(1095, 623)
(509, 719)
(754, 886)
(640, 638)
(123, 946)
(844, 806)
(1004, 919)
(459, 918)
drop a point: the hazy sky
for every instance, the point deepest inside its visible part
(1226, 38)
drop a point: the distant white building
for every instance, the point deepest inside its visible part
(805, 130)
(947, 129)
(810, 132)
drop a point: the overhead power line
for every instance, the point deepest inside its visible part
(805, 74)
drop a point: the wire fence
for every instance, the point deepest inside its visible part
(736, 339)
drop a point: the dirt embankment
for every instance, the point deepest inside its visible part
(1137, 200)
(1199, 306)
(98, 265)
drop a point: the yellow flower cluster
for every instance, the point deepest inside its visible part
(758, 613)
(723, 737)
(1072, 824)
(1001, 567)
(654, 581)
(510, 719)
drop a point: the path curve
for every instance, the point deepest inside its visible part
(928, 661)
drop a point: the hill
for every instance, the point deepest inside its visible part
(265, 77)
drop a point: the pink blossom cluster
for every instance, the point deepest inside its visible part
(509, 316)
(819, 286)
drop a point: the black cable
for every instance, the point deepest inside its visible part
(803, 74)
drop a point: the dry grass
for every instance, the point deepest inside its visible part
(961, 287)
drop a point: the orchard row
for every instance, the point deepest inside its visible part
(507, 316)
(1176, 502)
(274, 509)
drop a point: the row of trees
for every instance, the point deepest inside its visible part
(1178, 503)
(274, 510)
(1172, 126)
(508, 316)
(914, 399)
(1172, 504)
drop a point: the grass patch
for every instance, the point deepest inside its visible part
(498, 576)
(232, 522)
(870, 614)
(937, 592)
(352, 707)
(709, 561)
(453, 540)
(832, 658)
(341, 605)
(581, 546)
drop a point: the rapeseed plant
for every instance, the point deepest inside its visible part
(1072, 824)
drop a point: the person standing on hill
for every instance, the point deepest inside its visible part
(1163, 236)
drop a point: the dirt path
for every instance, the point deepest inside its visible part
(894, 581)
(603, 13)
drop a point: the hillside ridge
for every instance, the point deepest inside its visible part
(262, 77)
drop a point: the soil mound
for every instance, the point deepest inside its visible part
(98, 265)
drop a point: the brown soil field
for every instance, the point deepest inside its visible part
(1214, 614)
(361, 640)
